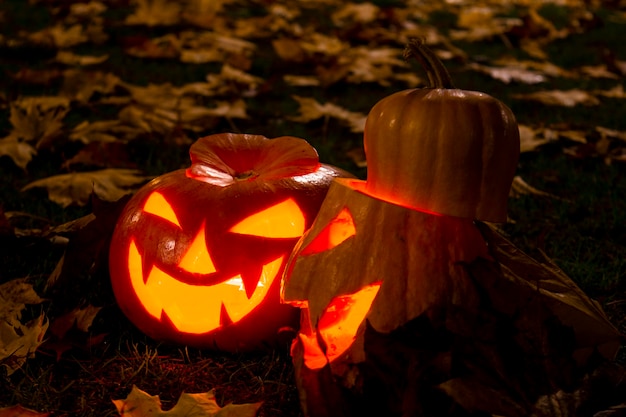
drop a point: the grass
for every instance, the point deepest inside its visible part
(583, 230)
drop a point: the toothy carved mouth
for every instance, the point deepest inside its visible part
(195, 308)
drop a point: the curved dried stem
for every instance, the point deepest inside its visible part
(438, 75)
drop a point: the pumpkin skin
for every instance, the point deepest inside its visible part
(442, 149)
(197, 254)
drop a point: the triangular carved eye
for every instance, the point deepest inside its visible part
(337, 231)
(157, 204)
(282, 220)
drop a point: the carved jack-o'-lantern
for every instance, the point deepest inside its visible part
(197, 254)
(412, 307)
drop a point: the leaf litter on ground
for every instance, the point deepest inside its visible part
(226, 44)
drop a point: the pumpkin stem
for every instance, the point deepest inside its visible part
(246, 176)
(438, 75)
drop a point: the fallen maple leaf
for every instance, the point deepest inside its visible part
(59, 36)
(356, 12)
(615, 92)
(38, 119)
(310, 109)
(77, 187)
(103, 131)
(520, 187)
(509, 74)
(79, 318)
(479, 23)
(529, 138)
(155, 13)
(141, 404)
(18, 341)
(569, 98)
(14, 295)
(81, 85)
(71, 330)
(70, 58)
(19, 151)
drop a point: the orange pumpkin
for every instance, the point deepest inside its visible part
(197, 254)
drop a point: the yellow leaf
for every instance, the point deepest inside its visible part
(141, 404)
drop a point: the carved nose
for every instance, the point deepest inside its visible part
(198, 259)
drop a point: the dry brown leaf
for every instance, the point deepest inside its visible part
(480, 22)
(615, 92)
(79, 318)
(87, 10)
(324, 45)
(81, 85)
(310, 109)
(598, 71)
(568, 304)
(14, 295)
(103, 131)
(362, 13)
(373, 64)
(38, 119)
(18, 341)
(544, 67)
(288, 49)
(167, 46)
(612, 133)
(534, 48)
(569, 98)
(141, 404)
(530, 138)
(19, 151)
(509, 74)
(155, 13)
(225, 44)
(520, 187)
(71, 330)
(200, 56)
(70, 58)
(302, 80)
(59, 36)
(77, 187)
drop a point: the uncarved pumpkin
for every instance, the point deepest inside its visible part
(197, 254)
(442, 149)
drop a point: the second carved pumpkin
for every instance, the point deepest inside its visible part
(413, 307)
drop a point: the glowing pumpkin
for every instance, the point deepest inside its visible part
(411, 312)
(197, 254)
